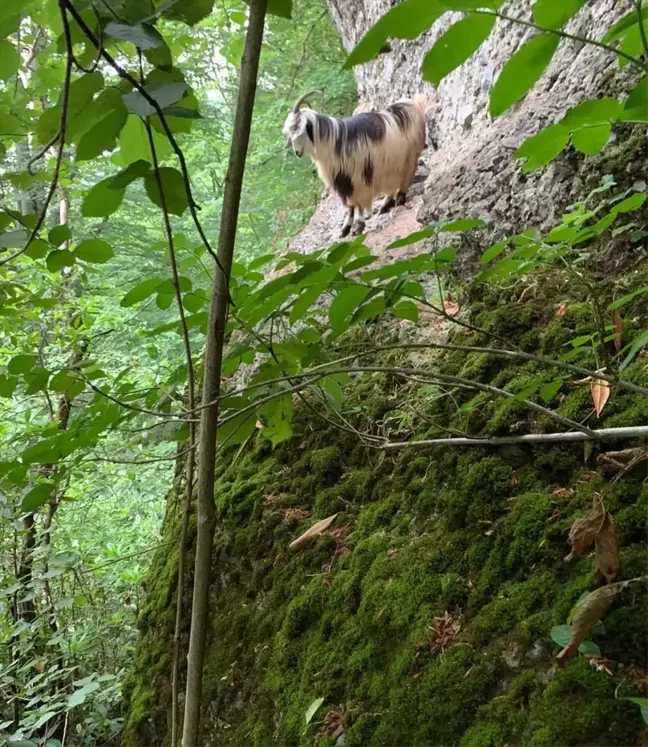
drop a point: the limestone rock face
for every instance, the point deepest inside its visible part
(469, 167)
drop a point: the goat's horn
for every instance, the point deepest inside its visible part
(302, 99)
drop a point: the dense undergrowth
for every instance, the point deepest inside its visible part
(473, 537)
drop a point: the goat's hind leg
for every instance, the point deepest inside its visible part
(348, 222)
(387, 204)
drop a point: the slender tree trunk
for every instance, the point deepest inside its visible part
(212, 374)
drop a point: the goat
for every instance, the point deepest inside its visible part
(368, 155)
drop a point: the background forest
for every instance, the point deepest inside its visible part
(100, 515)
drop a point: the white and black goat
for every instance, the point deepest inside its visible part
(368, 155)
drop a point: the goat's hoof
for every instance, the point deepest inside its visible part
(345, 231)
(386, 207)
(400, 198)
(359, 228)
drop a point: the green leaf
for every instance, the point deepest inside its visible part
(553, 14)
(589, 647)
(624, 300)
(592, 111)
(81, 93)
(140, 292)
(7, 386)
(37, 249)
(304, 302)
(189, 11)
(312, 709)
(59, 259)
(134, 143)
(620, 28)
(134, 171)
(561, 634)
(102, 137)
(493, 251)
(11, 126)
(13, 239)
(634, 202)
(36, 381)
(345, 303)
(237, 430)
(406, 310)
(636, 105)
(521, 72)
(542, 148)
(463, 224)
(173, 188)
(164, 93)
(549, 391)
(455, 46)
(102, 200)
(413, 238)
(10, 60)
(643, 705)
(370, 310)
(96, 251)
(281, 8)
(21, 364)
(278, 418)
(37, 497)
(407, 20)
(182, 112)
(59, 235)
(637, 344)
(141, 35)
(78, 697)
(592, 140)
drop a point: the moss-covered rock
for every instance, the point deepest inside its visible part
(476, 538)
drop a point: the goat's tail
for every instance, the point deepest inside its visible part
(421, 102)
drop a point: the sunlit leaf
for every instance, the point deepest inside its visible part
(591, 140)
(102, 200)
(407, 20)
(455, 46)
(521, 72)
(345, 303)
(96, 251)
(552, 14)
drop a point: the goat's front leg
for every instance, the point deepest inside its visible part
(348, 221)
(359, 227)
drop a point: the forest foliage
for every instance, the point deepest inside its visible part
(112, 115)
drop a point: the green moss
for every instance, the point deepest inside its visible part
(478, 534)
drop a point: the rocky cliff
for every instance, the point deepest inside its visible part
(424, 616)
(469, 168)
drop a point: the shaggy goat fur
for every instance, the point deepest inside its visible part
(365, 156)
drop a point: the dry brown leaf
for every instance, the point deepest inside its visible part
(310, 535)
(606, 551)
(589, 613)
(584, 530)
(600, 663)
(626, 459)
(563, 492)
(617, 324)
(600, 394)
(451, 306)
(562, 310)
(295, 514)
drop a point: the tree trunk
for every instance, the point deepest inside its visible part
(212, 375)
